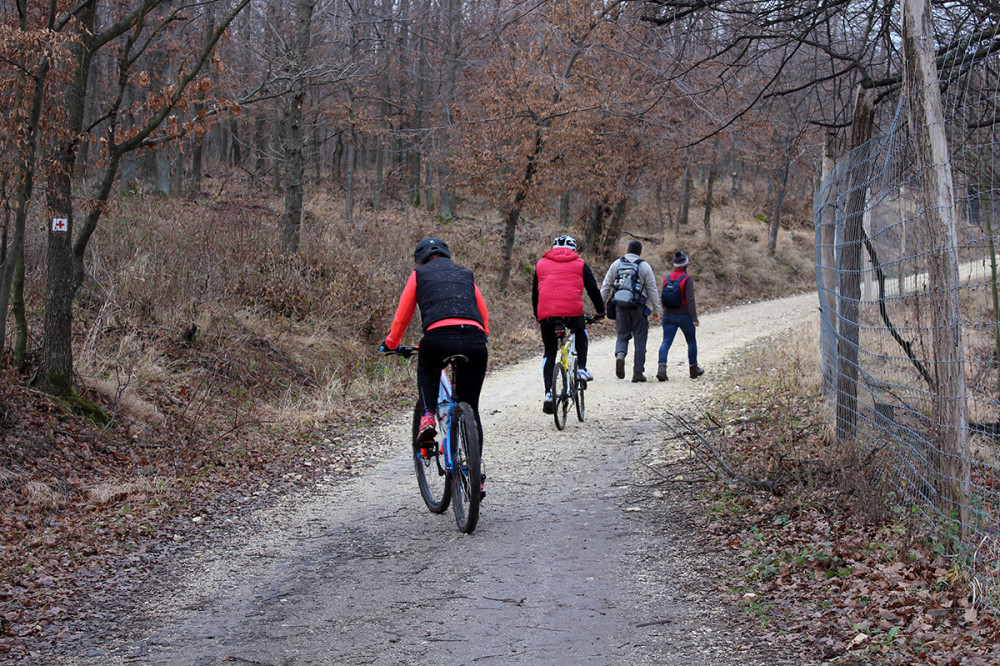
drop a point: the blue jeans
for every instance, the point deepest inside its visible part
(670, 325)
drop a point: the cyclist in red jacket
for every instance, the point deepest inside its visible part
(455, 321)
(557, 288)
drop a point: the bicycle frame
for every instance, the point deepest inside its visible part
(566, 348)
(445, 409)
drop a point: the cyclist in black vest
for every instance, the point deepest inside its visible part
(455, 321)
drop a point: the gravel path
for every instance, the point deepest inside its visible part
(575, 560)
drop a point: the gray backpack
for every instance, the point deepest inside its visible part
(628, 285)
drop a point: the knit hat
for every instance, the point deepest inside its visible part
(680, 260)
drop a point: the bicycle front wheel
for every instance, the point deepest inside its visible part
(578, 391)
(560, 394)
(466, 475)
(431, 476)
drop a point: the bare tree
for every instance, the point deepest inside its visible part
(132, 34)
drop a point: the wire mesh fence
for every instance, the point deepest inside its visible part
(910, 335)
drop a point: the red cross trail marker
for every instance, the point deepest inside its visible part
(59, 224)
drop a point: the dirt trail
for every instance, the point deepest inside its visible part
(575, 561)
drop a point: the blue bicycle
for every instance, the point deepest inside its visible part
(449, 469)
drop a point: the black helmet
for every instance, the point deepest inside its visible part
(428, 247)
(565, 241)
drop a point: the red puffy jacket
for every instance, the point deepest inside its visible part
(560, 283)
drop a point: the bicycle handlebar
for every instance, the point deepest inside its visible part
(405, 352)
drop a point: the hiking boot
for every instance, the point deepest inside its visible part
(427, 430)
(620, 366)
(661, 372)
(638, 377)
(697, 371)
(584, 375)
(547, 403)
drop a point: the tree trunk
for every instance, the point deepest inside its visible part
(234, 133)
(278, 152)
(291, 220)
(708, 200)
(564, 211)
(659, 206)
(261, 143)
(24, 185)
(20, 320)
(735, 179)
(382, 141)
(453, 23)
(514, 214)
(351, 165)
(940, 222)
(685, 202)
(429, 184)
(55, 373)
(161, 182)
(849, 266)
(595, 223)
(826, 242)
(176, 161)
(781, 183)
(613, 231)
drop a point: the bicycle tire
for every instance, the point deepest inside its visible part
(560, 394)
(431, 477)
(578, 389)
(467, 473)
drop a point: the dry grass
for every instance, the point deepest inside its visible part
(42, 495)
(115, 490)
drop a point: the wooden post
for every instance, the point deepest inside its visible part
(849, 266)
(923, 94)
(826, 239)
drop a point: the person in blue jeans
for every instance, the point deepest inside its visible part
(684, 317)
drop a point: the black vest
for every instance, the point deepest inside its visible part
(446, 290)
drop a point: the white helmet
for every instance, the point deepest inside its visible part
(565, 241)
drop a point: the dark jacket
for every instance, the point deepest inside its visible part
(445, 290)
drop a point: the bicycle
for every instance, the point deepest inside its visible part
(449, 471)
(566, 383)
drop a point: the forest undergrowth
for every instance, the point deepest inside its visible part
(225, 375)
(825, 563)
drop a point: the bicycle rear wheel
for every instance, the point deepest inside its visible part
(560, 394)
(578, 389)
(431, 477)
(466, 475)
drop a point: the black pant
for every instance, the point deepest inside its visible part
(440, 343)
(551, 343)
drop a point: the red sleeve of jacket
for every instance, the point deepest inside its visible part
(483, 312)
(404, 312)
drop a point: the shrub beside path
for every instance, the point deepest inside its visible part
(575, 559)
